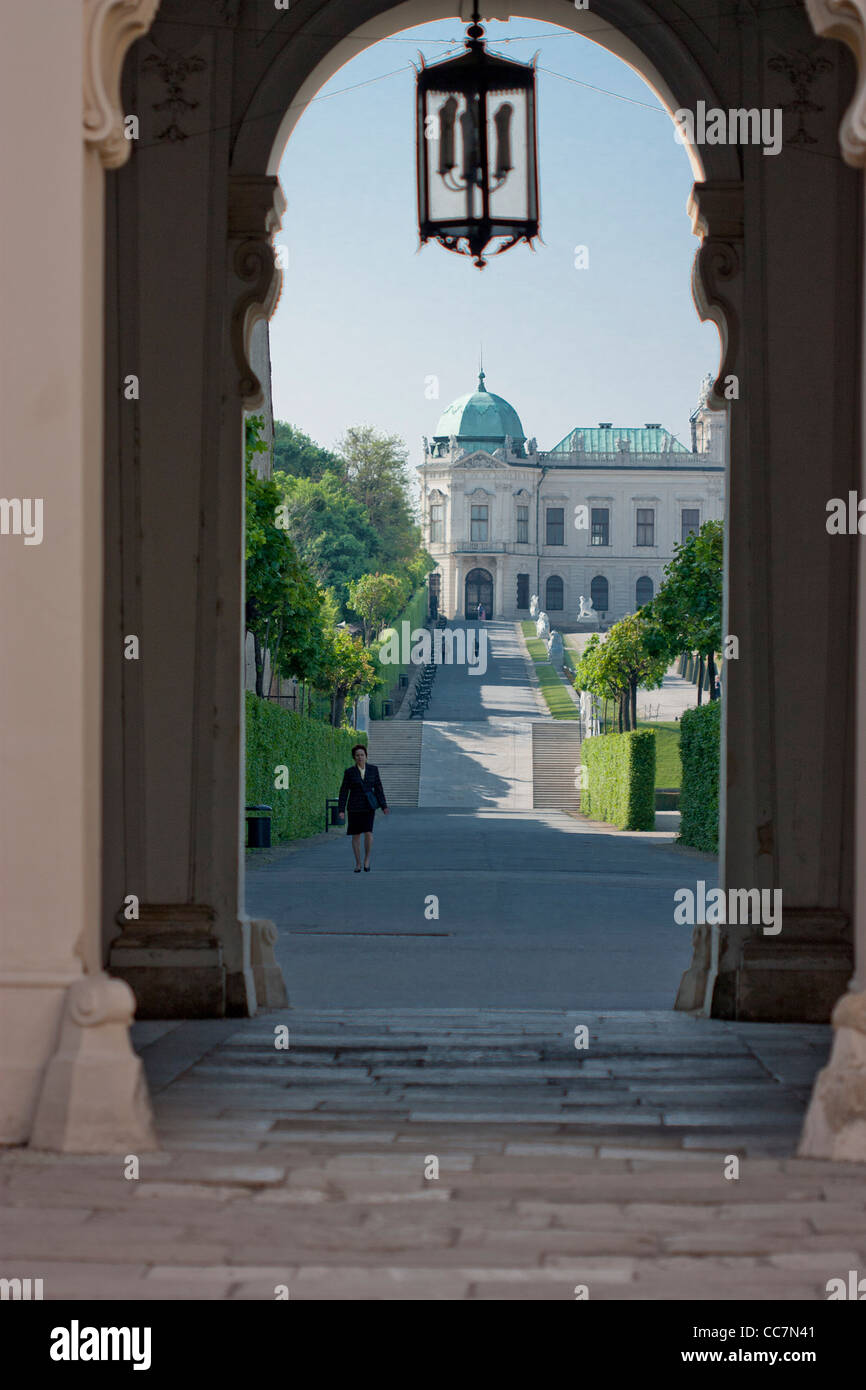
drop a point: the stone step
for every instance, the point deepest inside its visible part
(555, 756)
(395, 747)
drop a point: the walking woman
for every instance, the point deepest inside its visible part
(362, 789)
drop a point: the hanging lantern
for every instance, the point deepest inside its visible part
(477, 151)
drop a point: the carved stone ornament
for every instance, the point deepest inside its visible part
(716, 209)
(256, 207)
(846, 20)
(801, 69)
(110, 28)
(94, 1095)
(174, 70)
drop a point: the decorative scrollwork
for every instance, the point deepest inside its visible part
(97, 999)
(256, 206)
(174, 69)
(801, 68)
(846, 20)
(110, 27)
(717, 217)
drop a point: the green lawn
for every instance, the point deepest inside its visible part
(669, 770)
(537, 648)
(559, 702)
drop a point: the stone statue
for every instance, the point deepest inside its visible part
(533, 606)
(542, 626)
(426, 445)
(587, 613)
(589, 714)
(509, 446)
(555, 650)
(452, 445)
(532, 446)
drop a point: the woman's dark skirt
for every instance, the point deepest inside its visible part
(358, 822)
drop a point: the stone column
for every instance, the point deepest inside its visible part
(68, 1077)
(835, 1124)
(790, 348)
(191, 271)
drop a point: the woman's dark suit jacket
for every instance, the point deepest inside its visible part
(352, 789)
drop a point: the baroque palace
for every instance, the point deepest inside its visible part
(598, 515)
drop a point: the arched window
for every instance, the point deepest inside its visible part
(643, 591)
(598, 592)
(553, 595)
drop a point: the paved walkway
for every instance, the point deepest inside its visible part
(536, 909)
(478, 764)
(312, 1168)
(502, 692)
(431, 1131)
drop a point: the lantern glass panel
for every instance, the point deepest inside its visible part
(507, 145)
(453, 158)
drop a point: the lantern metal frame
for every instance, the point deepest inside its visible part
(476, 75)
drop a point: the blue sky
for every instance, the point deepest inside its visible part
(365, 317)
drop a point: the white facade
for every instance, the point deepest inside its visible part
(565, 524)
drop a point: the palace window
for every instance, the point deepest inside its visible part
(643, 591)
(478, 523)
(691, 521)
(523, 591)
(554, 594)
(437, 524)
(598, 592)
(555, 526)
(523, 527)
(646, 526)
(601, 526)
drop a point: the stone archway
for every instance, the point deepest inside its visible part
(173, 741)
(271, 79)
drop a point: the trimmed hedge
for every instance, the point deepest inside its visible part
(621, 779)
(315, 754)
(415, 613)
(700, 734)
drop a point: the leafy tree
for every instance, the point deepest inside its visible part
(618, 665)
(331, 530)
(282, 599)
(376, 477)
(377, 599)
(345, 669)
(686, 613)
(297, 455)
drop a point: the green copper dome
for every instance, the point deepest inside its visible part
(482, 419)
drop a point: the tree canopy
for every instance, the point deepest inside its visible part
(297, 455)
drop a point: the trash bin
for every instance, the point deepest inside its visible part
(259, 827)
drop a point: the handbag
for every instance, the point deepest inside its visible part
(372, 798)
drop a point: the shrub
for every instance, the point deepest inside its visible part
(699, 795)
(315, 754)
(621, 777)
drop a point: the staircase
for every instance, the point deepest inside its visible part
(394, 745)
(555, 760)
